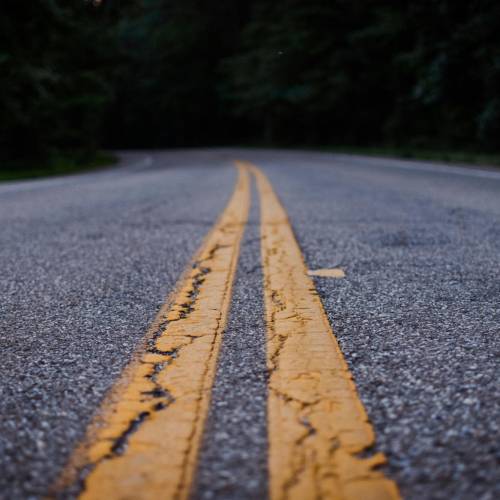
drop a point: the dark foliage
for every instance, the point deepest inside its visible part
(79, 75)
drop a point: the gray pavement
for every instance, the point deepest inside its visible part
(86, 263)
(87, 260)
(233, 458)
(418, 314)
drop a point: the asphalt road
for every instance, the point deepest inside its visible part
(88, 260)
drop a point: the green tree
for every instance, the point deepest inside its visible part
(53, 93)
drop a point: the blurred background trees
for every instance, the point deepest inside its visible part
(77, 76)
(54, 85)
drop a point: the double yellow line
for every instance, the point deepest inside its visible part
(145, 443)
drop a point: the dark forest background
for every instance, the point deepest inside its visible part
(77, 76)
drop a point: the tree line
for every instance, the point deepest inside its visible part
(82, 75)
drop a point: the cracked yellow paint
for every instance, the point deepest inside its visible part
(148, 447)
(327, 273)
(317, 425)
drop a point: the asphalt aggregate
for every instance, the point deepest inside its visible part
(86, 263)
(87, 260)
(233, 458)
(418, 314)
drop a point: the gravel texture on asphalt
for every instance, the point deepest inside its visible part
(86, 262)
(233, 458)
(418, 314)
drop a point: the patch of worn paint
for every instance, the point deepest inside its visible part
(318, 427)
(327, 273)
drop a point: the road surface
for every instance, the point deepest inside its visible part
(91, 262)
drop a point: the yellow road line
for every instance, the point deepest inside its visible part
(317, 425)
(148, 447)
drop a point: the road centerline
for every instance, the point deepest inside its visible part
(317, 425)
(149, 443)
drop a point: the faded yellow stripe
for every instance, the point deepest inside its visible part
(149, 444)
(317, 424)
